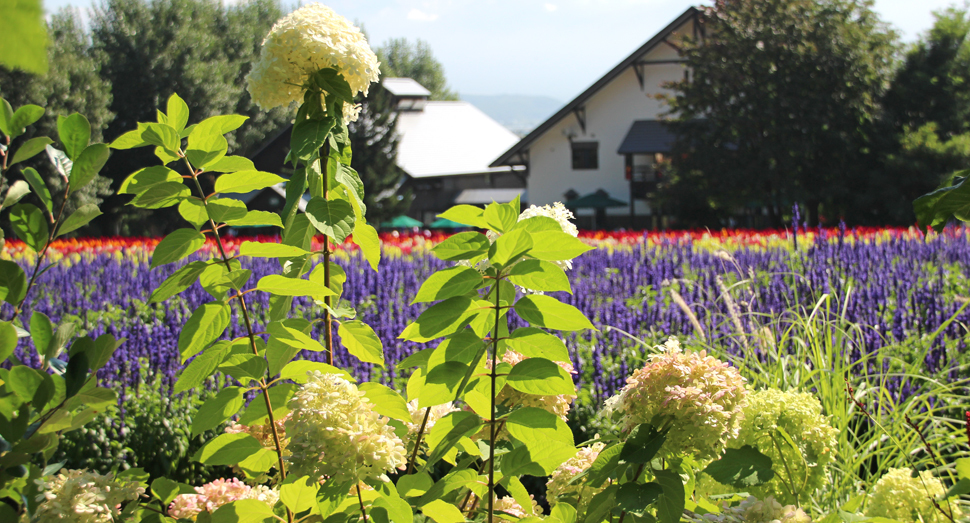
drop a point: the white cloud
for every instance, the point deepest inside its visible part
(550, 7)
(421, 16)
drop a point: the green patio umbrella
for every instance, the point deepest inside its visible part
(445, 223)
(596, 200)
(401, 222)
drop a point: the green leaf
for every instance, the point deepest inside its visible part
(279, 396)
(510, 247)
(30, 148)
(6, 116)
(23, 116)
(643, 444)
(207, 323)
(500, 217)
(541, 377)
(556, 246)
(15, 193)
(308, 136)
(159, 195)
(13, 283)
(196, 372)
(88, 165)
(442, 512)
(8, 340)
(369, 242)
(244, 368)
(398, 510)
(231, 164)
(227, 449)
(538, 224)
(165, 490)
(283, 286)
(446, 433)
(462, 246)
(193, 210)
(206, 145)
(636, 497)
(463, 347)
(131, 139)
(41, 332)
(98, 398)
(361, 341)
(64, 332)
(162, 135)
(447, 283)
(74, 132)
(24, 382)
(293, 337)
(178, 112)
(244, 511)
(101, 350)
(334, 218)
(79, 218)
(440, 320)
(257, 219)
(540, 458)
(529, 425)
(417, 359)
(143, 179)
(537, 343)
(540, 276)
(441, 383)
(742, 468)
(246, 181)
(177, 245)
(548, 312)
(601, 505)
(387, 402)
(39, 187)
(218, 409)
(299, 494)
(297, 371)
(466, 215)
(29, 224)
(270, 250)
(671, 504)
(230, 122)
(331, 81)
(563, 512)
(222, 210)
(178, 281)
(520, 495)
(24, 46)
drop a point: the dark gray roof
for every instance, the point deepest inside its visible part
(647, 136)
(524, 143)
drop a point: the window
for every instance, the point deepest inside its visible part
(585, 155)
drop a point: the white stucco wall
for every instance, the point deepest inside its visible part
(609, 114)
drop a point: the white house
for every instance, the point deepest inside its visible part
(609, 137)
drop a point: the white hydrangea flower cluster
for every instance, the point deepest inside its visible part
(84, 496)
(335, 433)
(312, 38)
(754, 510)
(800, 415)
(559, 485)
(417, 417)
(697, 397)
(215, 494)
(901, 497)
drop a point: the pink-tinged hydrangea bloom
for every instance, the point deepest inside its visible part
(84, 496)
(901, 497)
(559, 488)
(754, 510)
(211, 496)
(335, 433)
(696, 397)
(307, 40)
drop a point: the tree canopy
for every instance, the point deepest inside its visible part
(781, 100)
(401, 58)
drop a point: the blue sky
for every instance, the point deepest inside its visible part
(555, 48)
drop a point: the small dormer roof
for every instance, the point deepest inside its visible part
(405, 87)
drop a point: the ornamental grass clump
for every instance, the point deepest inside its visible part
(83, 496)
(772, 418)
(336, 434)
(697, 399)
(308, 40)
(900, 496)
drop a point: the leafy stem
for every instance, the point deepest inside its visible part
(249, 330)
(493, 433)
(417, 440)
(327, 316)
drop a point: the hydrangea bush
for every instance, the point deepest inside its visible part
(485, 401)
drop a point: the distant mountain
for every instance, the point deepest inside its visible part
(519, 113)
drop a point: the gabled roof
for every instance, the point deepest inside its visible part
(404, 87)
(647, 136)
(579, 101)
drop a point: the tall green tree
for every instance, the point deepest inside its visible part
(201, 49)
(401, 58)
(780, 103)
(72, 84)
